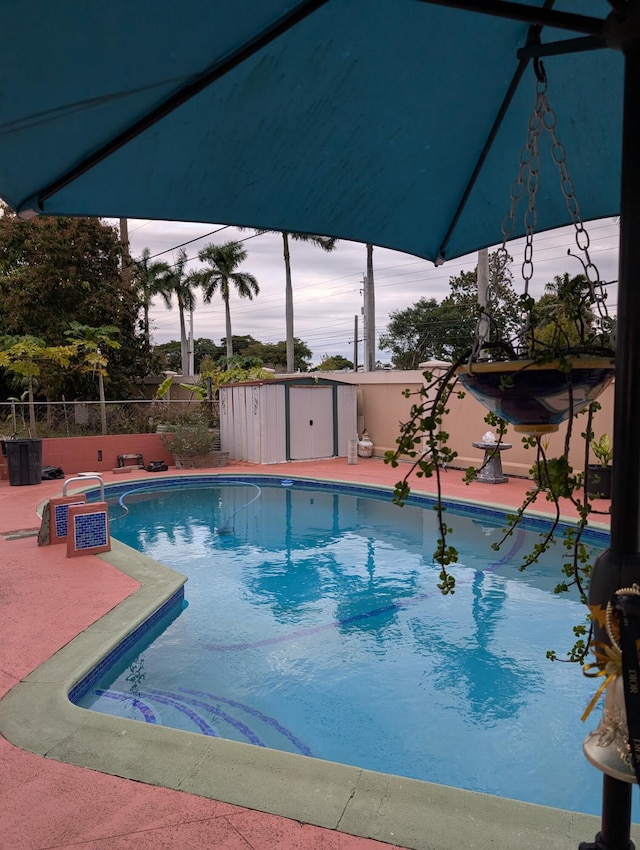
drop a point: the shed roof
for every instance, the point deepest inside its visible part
(292, 380)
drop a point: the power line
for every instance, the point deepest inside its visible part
(551, 248)
(188, 242)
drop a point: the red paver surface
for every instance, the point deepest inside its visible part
(46, 599)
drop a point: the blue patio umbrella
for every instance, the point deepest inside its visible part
(365, 120)
(395, 122)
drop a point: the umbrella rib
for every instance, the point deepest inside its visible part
(539, 15)
(532, 48)
(557, 48)
(532, 39)
(197, 84)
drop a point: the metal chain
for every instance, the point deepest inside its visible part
(528, 178)
(542, 119)
(529, 175)
(559, 156)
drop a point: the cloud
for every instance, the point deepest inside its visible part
(328, 286)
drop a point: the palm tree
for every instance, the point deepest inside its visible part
(327, 243)
(223, 261)
(128, 267)
(94, 343)
(147, 280)
(176, 282)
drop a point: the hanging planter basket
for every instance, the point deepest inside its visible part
(535, 398)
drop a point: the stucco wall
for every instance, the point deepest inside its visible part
(382, 407)
(80, 454)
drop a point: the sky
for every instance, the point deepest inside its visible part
(327, 287)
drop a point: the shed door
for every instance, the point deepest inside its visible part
(310, 422)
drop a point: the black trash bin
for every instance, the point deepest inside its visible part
(24, 460)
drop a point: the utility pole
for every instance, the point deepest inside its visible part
(355, 343)
(483, 297)
(369, 315)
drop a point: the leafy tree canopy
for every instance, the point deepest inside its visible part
(274, 355)
(564, 316)
(54, 271)
(443, 331)
(240, 343)
(168, 354)
(239, 368)
(411, 333)
(26, 357)
(334, 363)
(269, 355)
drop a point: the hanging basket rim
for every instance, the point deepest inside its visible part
(535, 365)
(535, 397)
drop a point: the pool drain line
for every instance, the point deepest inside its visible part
(225, 528)
(128, 493)
(228, 527)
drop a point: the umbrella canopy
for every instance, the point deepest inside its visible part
(361, 120)
(396, 122)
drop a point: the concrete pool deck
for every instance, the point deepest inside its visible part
(73, 778)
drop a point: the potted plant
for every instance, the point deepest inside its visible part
(193, 445)
(599, 474)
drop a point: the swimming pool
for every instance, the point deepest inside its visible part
(316, 595)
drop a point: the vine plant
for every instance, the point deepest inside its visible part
(425, 442)
(570, 319)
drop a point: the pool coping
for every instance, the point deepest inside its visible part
(37, 715)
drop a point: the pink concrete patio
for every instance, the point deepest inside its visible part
(47, 599)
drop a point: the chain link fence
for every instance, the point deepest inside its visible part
(84, 418)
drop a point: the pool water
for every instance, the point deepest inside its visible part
(314, 625)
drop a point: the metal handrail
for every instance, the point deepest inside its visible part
(85, 477)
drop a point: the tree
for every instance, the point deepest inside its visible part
(503, 307)
(204, 347)
(411, 332)
(429, 330)
(148, 281)
(183, 285)
(223, 260)
(25, 356)
(57, 270)
(235, 371)
(563, 315)
(168, 354)
(93, 344)
(327, 243)
(274, 355)
(240, 344)
(334, 363)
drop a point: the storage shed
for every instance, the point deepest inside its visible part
(282, 419)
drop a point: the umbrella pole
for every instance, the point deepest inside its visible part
(619, 566)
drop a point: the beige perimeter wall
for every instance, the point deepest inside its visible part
(382, 407)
